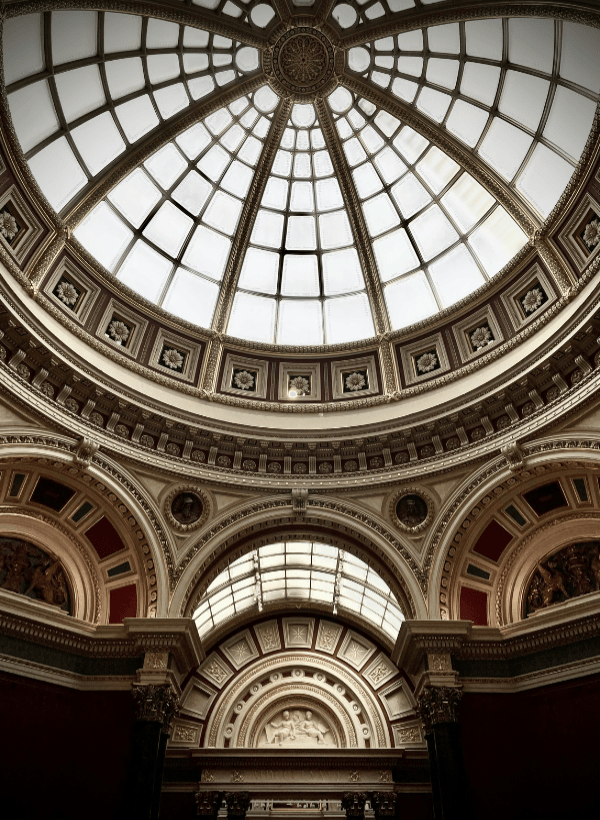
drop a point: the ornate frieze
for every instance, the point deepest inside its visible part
(568, 573)
(31, 571)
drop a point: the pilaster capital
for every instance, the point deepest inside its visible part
(155, 703)
(237, 804)
(383, 804)
(208, 803)
(438, 704)
(353, 804)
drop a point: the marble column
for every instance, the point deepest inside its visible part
(155, 706)
(438, 710)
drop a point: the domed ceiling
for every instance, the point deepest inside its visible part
(333, 180)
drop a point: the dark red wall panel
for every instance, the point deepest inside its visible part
(64, 754)
(104, 538)
(492, 541)
(533, 754)
(123, 603)
(473, 606)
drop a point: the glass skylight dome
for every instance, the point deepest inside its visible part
(322, 221)
(301, 571)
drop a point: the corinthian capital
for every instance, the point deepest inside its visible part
(155, 702)
(438, 704)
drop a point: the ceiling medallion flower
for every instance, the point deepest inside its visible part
(302, 61)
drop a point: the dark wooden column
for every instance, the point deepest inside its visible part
(438, 710)
(155, 708)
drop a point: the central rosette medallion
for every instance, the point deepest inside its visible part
(301, 61)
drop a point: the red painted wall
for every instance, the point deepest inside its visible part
(534, 754)
(64, 754)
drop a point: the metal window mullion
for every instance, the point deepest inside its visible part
(148, 88)
(104, 79)
(248, 215)
(156, 140)
(356, 218)
(465, 157)
(64, 128)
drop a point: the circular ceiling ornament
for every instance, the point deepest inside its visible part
(411, 509)
(301, 62)
(186, 507)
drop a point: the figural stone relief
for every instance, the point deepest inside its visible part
(297, 728)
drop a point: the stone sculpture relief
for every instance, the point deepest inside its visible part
(297, 728)
(28, 570)
(569, 573)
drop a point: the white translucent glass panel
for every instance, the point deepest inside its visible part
(455, 275)
(58, 173)
(580, 62)
(33, 114)
(497, 240)
(410, 300)
(192, 298)
(544, 179)
(252, 317)
(99, 142)
(348, 318)
(300, 276)
(207, 252)
(300, 322)
(145, 271)
(22, 47)
(80, 91)
(395, 255)
(433, 232)
(104, 235)
(168, 228)
(260, 271)
(299, 570)
(505, 147)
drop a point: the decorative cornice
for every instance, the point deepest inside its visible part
(586, 13)
(466, 158)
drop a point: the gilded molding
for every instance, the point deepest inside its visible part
(467, 159)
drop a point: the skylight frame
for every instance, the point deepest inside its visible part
(257, 572)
